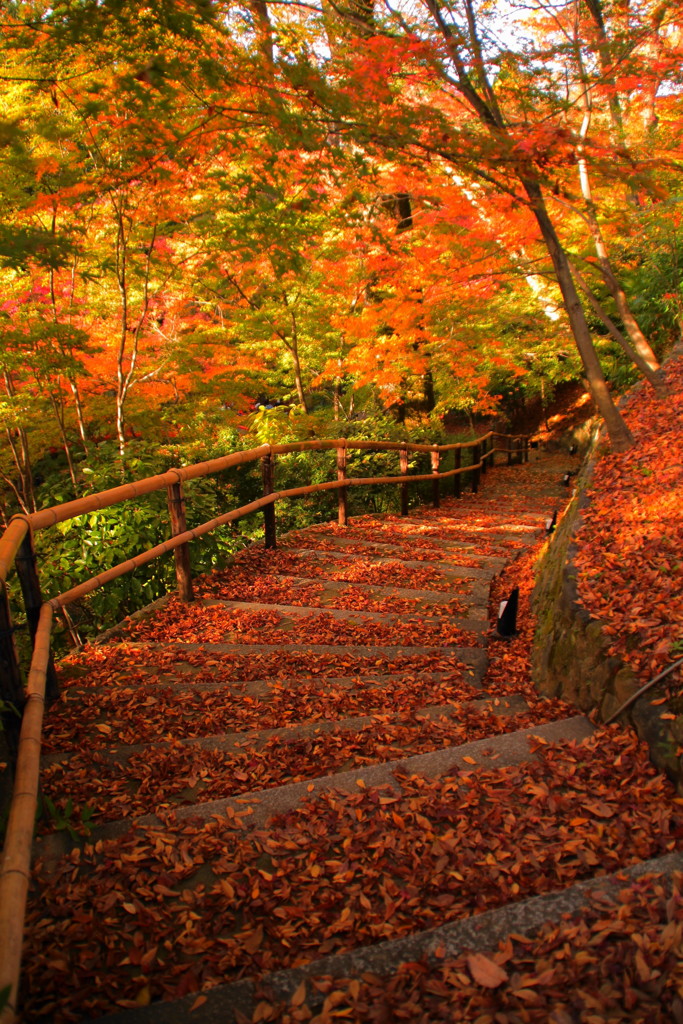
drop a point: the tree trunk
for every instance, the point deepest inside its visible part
(58, 409)
(619, 434)
(638, 339)
(80, 418)
(635, 357)
(18, 442)
(298, 379)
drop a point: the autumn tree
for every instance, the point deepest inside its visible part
(432, 84)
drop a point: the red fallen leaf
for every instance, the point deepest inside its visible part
(601, 809)
(144, 996)
(253, 940)
(485, 972)
(299, 996)
(199, 1001)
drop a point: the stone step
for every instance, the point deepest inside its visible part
(122, 782)
(469, 657)
(253, 809)
(483, 570)
(466, 595)
(257, 738)
(147, 682)
(458, 544)
(451, 538)
(295, 612)
(234, 1003)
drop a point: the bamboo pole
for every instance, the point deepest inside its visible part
(342, 517)
(11, 682)
(16, 862)
(10, 543)
(457, 461)
(267, 475)
(33, 602)
(475, 467)
(403, 466)
(183, 572)
(58, 513)
(104, 499)
(436, 496)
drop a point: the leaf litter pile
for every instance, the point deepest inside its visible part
(181, 906)
(630, 545)
(161, 913)
(618, 961)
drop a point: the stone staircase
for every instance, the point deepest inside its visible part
(311, 778)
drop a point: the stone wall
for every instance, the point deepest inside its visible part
(570, 658)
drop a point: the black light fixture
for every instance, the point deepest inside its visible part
(507, 615)
(551, 523)
(573, 449)
(566, 479)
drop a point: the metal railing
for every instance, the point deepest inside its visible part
(16, 546)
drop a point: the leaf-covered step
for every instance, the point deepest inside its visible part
(263, 624)
(292, 614)
(554, 957)
(102, 664)
(236, 584)
(163, 912)
(152, 711)
(136, 780)
(314, 566)
(464, 551)
(449, 564)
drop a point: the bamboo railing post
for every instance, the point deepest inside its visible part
(436, 491)
(27, 572)
(508, 445)
(475, 469)
(11, 683)
(268, 475)
(492, 450)
(176, 511)
(457, 464)
(403, 463)
(343, 518)
(484, 450)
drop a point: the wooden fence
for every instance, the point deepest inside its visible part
(16, 546)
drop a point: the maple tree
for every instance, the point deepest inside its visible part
(338, 213)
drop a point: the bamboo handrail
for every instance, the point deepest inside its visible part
(16, 860)
(137, 488)
(14, 875)
(104, 499)
(10, 542)
(131, 564)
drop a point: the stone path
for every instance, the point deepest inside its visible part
(232, 750)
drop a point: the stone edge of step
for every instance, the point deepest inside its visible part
(481, 933)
